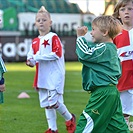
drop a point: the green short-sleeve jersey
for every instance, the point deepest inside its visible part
(101, 65)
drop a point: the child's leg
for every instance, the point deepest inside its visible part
(70, 118)
(56, 101)
(52, 100)
(58, 104)
(51, 118)
(99, 111)
(127, 105)
(63, 111)
(1, 97)
(49, 112)
(127, 117)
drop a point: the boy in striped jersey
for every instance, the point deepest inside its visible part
(124, 43)
(46, 53)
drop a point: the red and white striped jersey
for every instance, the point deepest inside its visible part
(124, 43)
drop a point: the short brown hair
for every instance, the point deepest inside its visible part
(121, 3)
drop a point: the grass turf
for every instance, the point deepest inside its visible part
(25, 115)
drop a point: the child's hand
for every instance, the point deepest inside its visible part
(2, 87)
(30, 63)
(81, 31)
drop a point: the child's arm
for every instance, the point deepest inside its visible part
(2, 71)
(30, 62)
(81, 31)
(88, 51)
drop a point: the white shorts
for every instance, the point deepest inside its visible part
(127, 102)
(49, 97)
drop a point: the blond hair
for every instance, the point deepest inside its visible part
(108, 23)
(43, 10)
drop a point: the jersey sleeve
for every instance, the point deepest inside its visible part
(87, 51)
(30, 53)
(2, 71)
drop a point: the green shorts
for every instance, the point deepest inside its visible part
(103, 113)
(1, 97)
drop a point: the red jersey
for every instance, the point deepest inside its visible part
(124, 43)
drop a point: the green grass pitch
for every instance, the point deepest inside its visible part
(25, 115)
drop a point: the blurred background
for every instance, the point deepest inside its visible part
(17, 28)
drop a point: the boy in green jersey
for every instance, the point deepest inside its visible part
(2, 85)
(100, 73)
(2, 71)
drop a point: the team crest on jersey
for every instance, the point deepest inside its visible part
(45, 43)
(126, 54)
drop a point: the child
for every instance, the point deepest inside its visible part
(124, 42)
(2, 85)
(47, 53)
(2, 71)
(100, 73)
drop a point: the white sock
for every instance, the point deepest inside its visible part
(62, 110)
(51, 118)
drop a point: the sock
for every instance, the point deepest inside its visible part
(127, 119)
(51, 118)
(62, 110)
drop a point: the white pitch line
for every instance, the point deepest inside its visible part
(64, 91)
